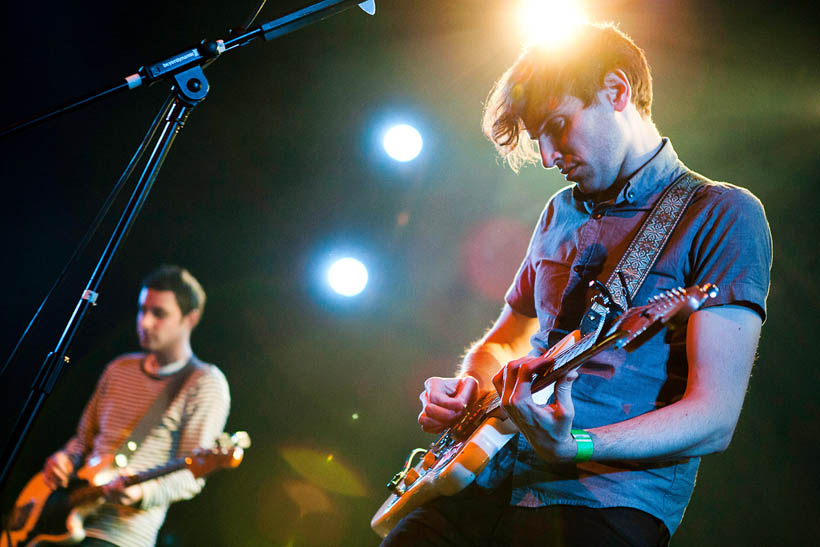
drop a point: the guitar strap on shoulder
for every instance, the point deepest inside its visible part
(155, 412)
(644, 250)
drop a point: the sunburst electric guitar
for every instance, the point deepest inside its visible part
(461, 452)
(43, 516)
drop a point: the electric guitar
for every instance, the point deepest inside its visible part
(44, 516)
(454, 460)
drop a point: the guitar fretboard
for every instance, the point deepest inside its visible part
(90, 493)
(492, 401)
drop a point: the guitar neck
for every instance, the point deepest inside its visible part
(577, 356)
(90, 493)
(562, 363)
(170, 467)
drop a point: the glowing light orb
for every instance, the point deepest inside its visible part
(347, 276)
(402, 143)
(550, 22)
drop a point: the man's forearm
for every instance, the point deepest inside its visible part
(507, 339)
(681, 430)
(483, 360)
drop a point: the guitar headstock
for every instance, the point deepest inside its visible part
(228, 452)
(670, 308)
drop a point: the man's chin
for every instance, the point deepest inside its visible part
(590, 187)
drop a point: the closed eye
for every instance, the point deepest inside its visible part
(554, 126)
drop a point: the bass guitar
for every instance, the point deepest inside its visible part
(44, 516)
(454, 460)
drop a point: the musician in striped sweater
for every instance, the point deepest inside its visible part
(171, 302)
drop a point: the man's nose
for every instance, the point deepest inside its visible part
(144, 320)
(549, 154)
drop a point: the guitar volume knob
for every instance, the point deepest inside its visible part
(429, 460)
(411, 477)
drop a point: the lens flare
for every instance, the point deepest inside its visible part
(325, 471)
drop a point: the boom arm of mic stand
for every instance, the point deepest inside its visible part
(200, 55)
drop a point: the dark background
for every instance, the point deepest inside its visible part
(281, 167)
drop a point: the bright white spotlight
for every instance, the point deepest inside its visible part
(402, 142)
(347, 276)
(550, 22)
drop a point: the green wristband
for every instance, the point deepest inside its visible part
(585, 447)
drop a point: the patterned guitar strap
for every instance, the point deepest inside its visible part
(642, 253)
(153, 417)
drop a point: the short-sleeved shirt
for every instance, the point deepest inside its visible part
(723, 238)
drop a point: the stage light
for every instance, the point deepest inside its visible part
(347, 276)
(550, 22)
(402, 142)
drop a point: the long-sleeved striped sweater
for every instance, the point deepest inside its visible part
(194, 419)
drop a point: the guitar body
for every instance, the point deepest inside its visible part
(454, 469)
(450, 466)
(43, 516)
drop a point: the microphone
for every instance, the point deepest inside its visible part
(369, 6)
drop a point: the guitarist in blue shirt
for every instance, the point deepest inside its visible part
(611, 458)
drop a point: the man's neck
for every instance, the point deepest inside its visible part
(644, 144)
(181, 353)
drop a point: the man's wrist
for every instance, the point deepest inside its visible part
(585, 446)
(472, 374)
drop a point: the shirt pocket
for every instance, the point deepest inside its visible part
(551, 279)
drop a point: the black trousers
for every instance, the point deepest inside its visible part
(475, 517)
(94, 542)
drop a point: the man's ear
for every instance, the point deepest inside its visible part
(192, 318)
(617, 90)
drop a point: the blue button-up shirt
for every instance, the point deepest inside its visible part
(723, 238)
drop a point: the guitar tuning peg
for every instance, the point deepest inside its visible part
(711, 290)
(241, 439)
(223, 440)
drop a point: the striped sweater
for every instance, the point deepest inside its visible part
(194, 418)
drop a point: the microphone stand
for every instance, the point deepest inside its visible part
(190, 87)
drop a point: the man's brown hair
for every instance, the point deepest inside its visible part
(542, 77)
(189, 293)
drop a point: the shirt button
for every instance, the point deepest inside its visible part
(597, 216)
(577, 269)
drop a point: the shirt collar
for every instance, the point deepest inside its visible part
(151, 366)
(645, 182)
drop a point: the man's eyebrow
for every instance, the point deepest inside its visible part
(542, 120)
